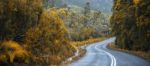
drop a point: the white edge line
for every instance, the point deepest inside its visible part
(113, 60)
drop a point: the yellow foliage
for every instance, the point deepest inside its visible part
(32, 34)
(51, 28)
(12, 50)
(51, 20)
(136, 2)
(85, 42)
(62, 12)
(11, 44)
(49, 37)
(117, 5)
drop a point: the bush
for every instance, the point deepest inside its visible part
(49, 37)
(11, 51)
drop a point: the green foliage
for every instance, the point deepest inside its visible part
(49, 3)
(83, 26)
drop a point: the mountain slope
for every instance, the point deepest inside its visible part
(102, 5)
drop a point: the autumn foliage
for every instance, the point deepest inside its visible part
(12, 52)
(35, 32)
(16, 16)
(130, 24)
(32, 34)
(49, 35)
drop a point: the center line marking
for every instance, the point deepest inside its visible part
(113, 59)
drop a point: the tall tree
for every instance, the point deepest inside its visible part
(87, 11)
(130, 24)
(17, 16)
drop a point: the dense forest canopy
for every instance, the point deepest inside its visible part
(130, 24)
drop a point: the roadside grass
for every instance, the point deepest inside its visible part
(86, 42)
(141, 54)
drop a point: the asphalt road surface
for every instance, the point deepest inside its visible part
(98, 55)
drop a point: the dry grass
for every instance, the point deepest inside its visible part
(142, 54)
(81, 54)
(87, 42)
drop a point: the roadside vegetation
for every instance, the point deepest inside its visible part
(31, 35)
(81, 47)
(130, 24)
(33, 32)
(87, 42)
(142, 54)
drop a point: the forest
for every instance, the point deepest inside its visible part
(130, 24)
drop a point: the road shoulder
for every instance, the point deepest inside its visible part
(143, 55)
(81, 45)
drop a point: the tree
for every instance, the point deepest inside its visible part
(17, 16)
(49, 3)
(49, 37)
(86, 13)
(130, 24)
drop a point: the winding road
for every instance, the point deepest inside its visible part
(98, 55)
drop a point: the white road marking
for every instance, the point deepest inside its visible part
(113, 59)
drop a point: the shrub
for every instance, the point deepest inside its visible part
(12, 51)
(49, 37)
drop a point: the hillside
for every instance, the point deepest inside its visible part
(102, 5)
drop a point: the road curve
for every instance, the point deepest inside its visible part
(98, 55)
